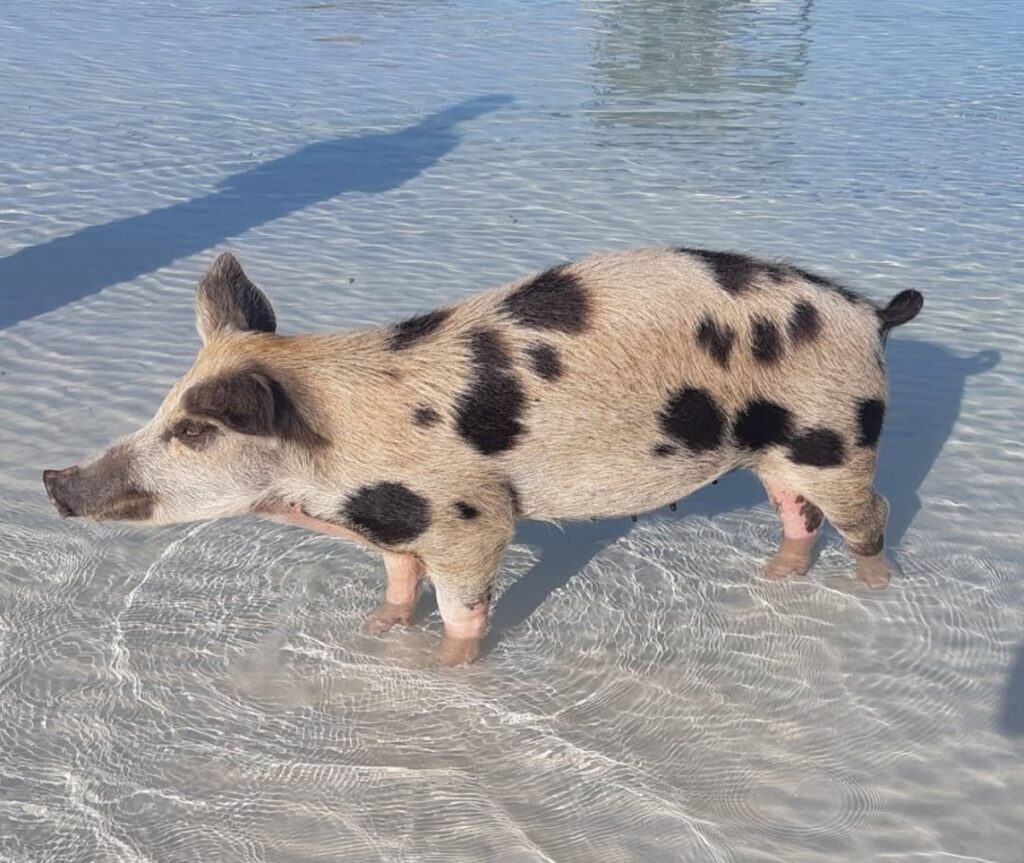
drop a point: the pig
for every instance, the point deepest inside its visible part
(605, 387)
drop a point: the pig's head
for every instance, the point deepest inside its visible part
(223, 434)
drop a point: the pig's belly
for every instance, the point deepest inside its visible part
(596, 447)
(597, 486)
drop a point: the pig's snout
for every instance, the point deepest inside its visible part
(60, 486)
(101, 490)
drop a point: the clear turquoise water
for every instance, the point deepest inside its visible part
(204, 692)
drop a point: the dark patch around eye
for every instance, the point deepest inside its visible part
(252, 402)
(194, 434)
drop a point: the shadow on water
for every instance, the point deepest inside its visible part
(927, 384)
(41, 278)
(1011, 714)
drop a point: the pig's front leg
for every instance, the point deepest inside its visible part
(404, 571)
(404, 574)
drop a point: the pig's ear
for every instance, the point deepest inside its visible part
(226, 300)
(253, 403)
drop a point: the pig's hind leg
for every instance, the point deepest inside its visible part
(801, 525)
(845, 496)
(860, 513)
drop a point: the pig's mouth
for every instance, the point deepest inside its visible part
(95, 494)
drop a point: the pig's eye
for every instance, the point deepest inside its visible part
(193, 433)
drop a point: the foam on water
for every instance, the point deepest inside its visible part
(205, 692)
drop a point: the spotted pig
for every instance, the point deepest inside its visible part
(609, 386)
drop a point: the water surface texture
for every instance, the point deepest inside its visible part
(204, 693)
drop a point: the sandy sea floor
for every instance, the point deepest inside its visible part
(204, 693)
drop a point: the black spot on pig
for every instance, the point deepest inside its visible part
(465, 511)
(387, 513)
(692, 417)
(545, 361)
(804, 323)
(664, 450)
(812, 515)
(818, 447)
(735, 273)
(553, 300)
(716, 340)
(870, 414)
(765, 343)
(488, 412)
(425, 416)
(407, 333)
(761, 424)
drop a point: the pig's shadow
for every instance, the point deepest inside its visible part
(1011, 713)
(927, 384)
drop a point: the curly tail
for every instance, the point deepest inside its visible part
(902, 308)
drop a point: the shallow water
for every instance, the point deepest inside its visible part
(204, 692)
